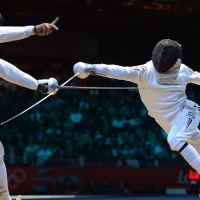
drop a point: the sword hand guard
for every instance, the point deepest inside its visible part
(83, 69)
(47, 86)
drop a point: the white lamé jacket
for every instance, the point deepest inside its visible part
(8, 71)
(163, 101)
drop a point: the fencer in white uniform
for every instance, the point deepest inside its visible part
(162, 83)
(14, 75)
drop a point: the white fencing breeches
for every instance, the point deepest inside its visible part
(184, 135)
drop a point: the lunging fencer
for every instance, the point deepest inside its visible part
(12, 74)
(162, 83)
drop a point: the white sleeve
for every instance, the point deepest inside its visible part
(11, 33)
(12, 74)
(132, 74)
(194, 76)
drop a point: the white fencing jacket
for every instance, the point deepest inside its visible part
(8, 71)
(163, 101)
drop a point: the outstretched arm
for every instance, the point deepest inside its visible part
(12, 33)
(132, 74)
(14, 75)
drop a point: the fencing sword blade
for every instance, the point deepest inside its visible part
(26, 110)
(40, 100)
(97, 88)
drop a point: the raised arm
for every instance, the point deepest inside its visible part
(12, 33)
(8, 34)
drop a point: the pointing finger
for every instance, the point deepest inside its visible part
(53, 26)
(55, 21)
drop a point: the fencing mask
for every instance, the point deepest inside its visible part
(165, 54)
(1, 19)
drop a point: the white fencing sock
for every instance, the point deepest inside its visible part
(191, 155)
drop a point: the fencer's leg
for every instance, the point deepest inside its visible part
(190, 154)
(4, 192)
(183, 129)
(195, 141)
(196, 146)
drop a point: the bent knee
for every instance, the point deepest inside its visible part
(175, 142)
(172, 143)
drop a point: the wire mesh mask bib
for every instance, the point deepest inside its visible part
(170, 76)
